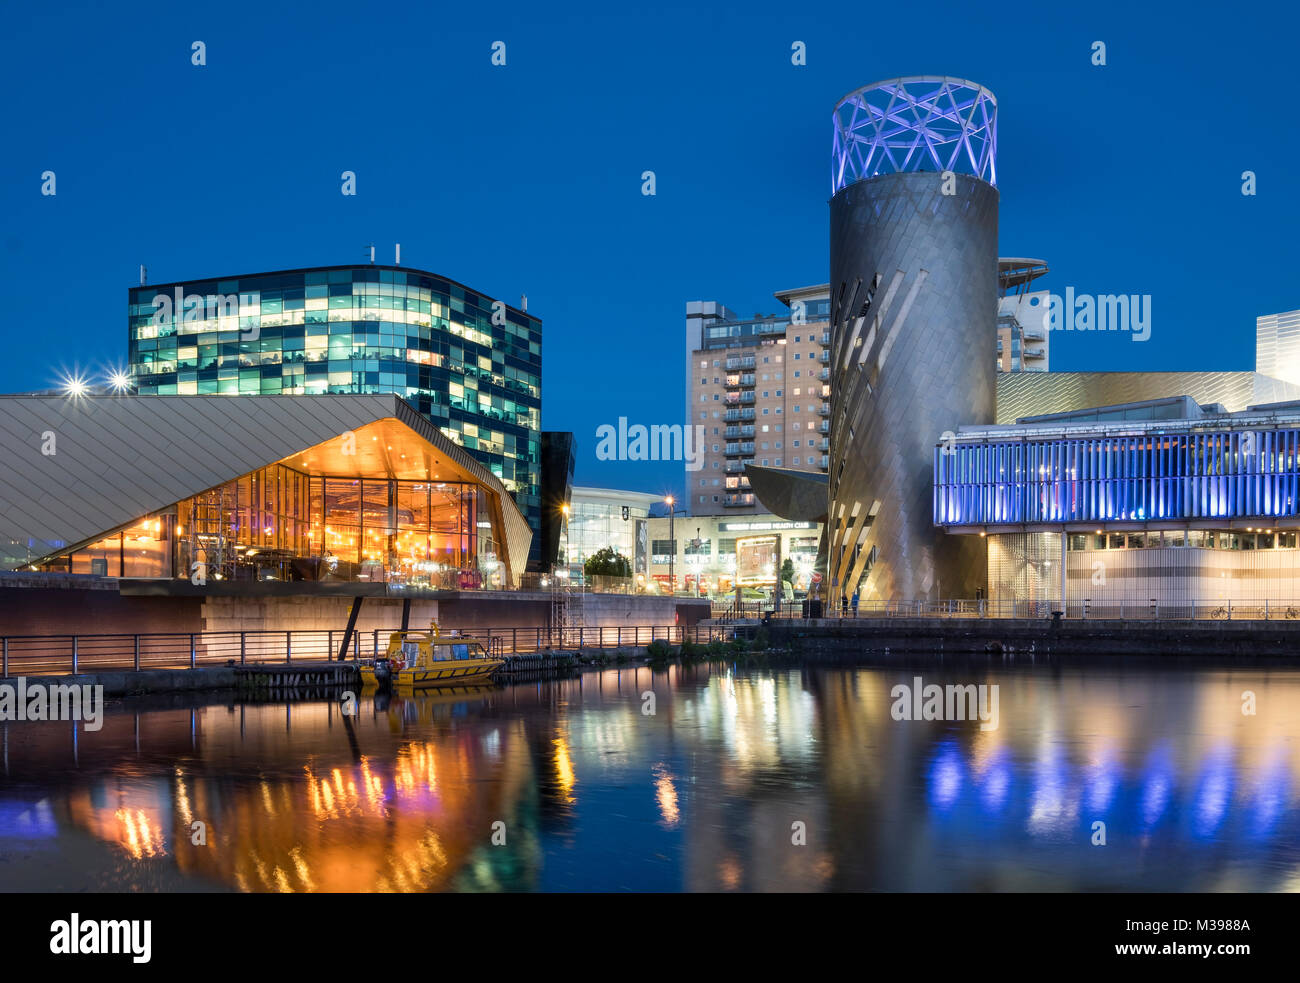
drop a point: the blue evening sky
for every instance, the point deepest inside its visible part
(527, 178)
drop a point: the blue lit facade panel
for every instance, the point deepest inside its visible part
(1142, 478)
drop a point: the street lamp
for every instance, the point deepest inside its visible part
(564, 510)
(74, 384)
(699, 564)
(672, 545)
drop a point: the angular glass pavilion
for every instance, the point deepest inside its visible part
(306, 490)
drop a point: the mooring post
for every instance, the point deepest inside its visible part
(193, 652)
(137, 653)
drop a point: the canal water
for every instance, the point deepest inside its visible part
(706, 778)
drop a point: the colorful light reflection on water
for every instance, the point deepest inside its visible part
(787, 780)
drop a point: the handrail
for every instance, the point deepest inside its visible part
(1265, 609)
(57, 654)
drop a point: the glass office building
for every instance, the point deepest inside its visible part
(472, 365)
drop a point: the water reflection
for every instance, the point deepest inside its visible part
(794, 780)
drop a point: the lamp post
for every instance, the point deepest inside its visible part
(564, 510)
(672, 545)
(699, 564)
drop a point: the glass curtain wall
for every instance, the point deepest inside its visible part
(141, 550)
(280, 524)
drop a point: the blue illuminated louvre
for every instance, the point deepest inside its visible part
(1152, 477)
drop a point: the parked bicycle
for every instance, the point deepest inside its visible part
(1219, 613)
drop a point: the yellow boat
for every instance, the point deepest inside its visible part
(421, 659)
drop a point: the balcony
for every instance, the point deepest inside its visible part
(743, 500)
(731, 416)
(745, 362)
(826, 463)
(826, 337)
(824, 445)
(736, 449)
(825, 374)
(734, 467)
(825, 427)
(735, 432)
(740, 381)
(1035, 353)
(824, 411)
(825, 357)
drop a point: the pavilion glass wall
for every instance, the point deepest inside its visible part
(281, 524)
(143, 549)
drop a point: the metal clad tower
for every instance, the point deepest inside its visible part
(914, 275)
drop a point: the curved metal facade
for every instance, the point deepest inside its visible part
(914, 300)
(1022, 394)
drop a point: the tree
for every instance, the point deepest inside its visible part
(787, 571)
(607, 562)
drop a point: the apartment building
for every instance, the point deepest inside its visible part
(760, 388)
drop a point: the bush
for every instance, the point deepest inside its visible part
(660, 651)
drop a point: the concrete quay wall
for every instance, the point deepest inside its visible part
(1247, 639)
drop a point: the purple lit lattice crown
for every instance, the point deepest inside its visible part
(922, 122)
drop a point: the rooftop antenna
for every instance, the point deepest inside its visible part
(144, 275)
(523, 302)
(372, 254)
(398, 260)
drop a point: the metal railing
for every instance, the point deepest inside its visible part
(59, 654)
(1152, 610)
